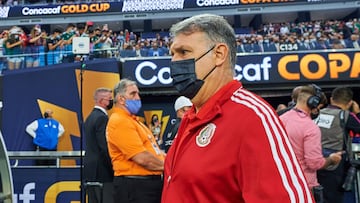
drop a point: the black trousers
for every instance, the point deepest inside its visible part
(45, 162)
(137, 190)
(332, 182)
(100, 194)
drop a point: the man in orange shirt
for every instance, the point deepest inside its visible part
(137, 160)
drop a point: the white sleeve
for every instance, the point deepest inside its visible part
(31, 128)
(61, 130)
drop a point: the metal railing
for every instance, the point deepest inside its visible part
(44, 155)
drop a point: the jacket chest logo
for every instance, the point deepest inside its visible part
(205, 135)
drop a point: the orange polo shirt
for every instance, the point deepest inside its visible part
(126, 137)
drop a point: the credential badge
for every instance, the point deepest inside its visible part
(205, 135)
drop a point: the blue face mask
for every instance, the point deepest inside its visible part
(133, 105)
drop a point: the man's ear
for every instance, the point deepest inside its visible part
(121, 99)
(221, 54)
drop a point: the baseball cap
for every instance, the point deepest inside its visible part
(182, 102)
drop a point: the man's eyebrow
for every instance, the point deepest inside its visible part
(133, 92)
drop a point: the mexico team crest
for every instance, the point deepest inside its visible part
(205, 135)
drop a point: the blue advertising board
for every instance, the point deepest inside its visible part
(47, 185)
(270, 69)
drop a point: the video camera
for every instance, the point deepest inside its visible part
(351, 173)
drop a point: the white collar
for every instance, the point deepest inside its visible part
(101, 108)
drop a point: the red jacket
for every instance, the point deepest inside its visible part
(233, 150)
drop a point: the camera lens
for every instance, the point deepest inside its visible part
(347, 186)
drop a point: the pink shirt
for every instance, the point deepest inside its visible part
(305, 138)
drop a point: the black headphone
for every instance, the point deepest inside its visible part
(314, 100)
(46, 115)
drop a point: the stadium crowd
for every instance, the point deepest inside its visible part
(20, 49)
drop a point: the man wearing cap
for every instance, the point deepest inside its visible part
(182, 105)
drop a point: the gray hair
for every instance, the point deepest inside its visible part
(100, 91)
(216, 28)
(120, 88)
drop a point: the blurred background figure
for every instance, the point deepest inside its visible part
(181, 106)
(155, 127)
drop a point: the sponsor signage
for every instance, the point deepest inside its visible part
(266, 68)
(131, 6)
(46, 185)
(54, 10)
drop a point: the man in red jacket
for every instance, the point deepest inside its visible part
(231, 146)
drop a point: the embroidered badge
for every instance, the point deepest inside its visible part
(205, 135)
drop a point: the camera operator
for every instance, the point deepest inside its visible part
(335, 122)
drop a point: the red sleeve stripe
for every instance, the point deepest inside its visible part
(276, 136)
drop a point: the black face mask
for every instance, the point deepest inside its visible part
(110, 105)
(184, 76)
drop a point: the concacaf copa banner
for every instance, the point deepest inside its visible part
(269, 69)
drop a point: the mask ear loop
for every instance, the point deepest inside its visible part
(209, 73)
(203, 56)
(205, 53)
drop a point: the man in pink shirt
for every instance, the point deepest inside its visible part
(305, 135)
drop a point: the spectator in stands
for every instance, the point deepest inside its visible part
(253, 46)
(107, 43)
(240, 48)
(164, 47)
(13, 47)
(127, 51)
(127, 35)
(353, 42)
(3, 38)
(269, 45)
(337, 45)
(54, 43)
(96, 43)
(46, 132)
(155, 50)
(35, 47)
(82, 29)
(121, 39)
(68, 36)
(322, 44)
(140, 50)
(132, 38)
(303, 44)
(203, 53)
